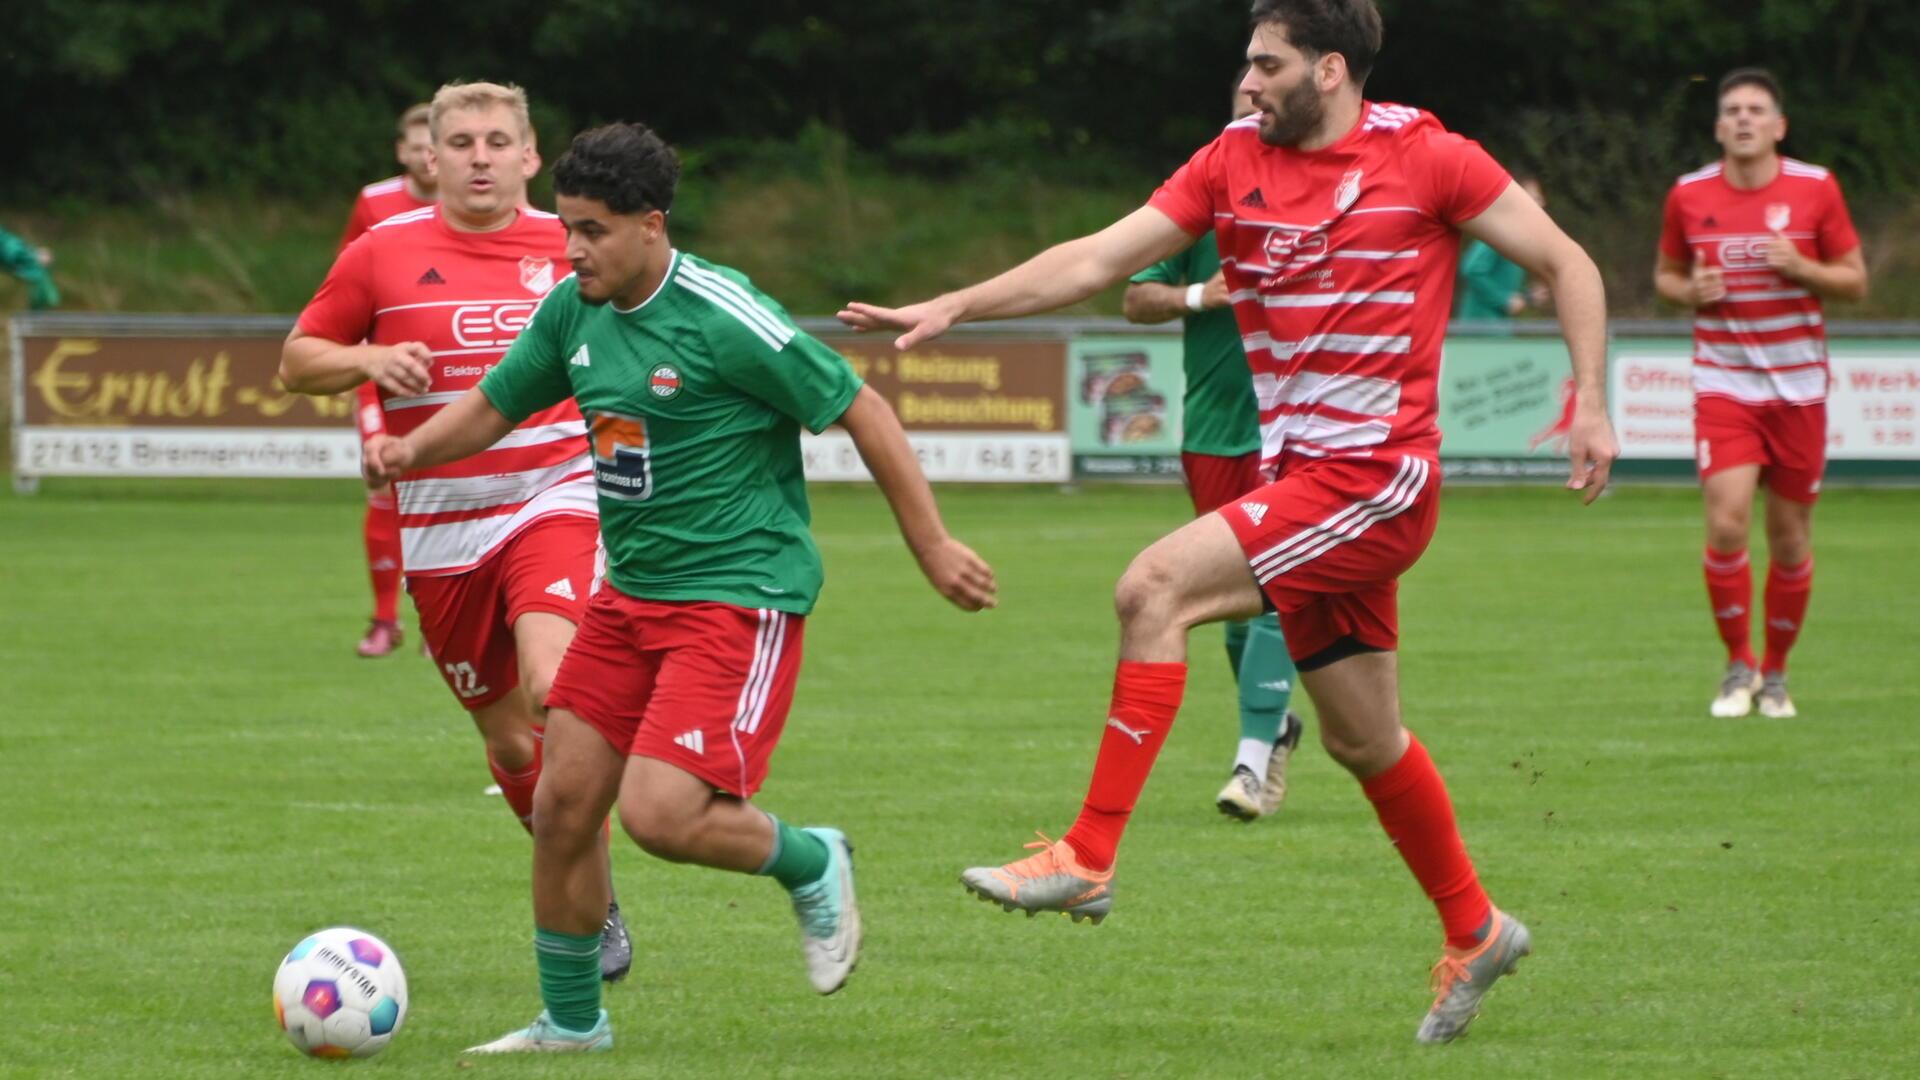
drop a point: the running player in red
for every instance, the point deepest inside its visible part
(1753, 243)
(675, 693)
(500, 548)
(1339, 224)
(414, 188)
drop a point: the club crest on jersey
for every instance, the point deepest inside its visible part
(1779, 216)
(664, 381)
(536, 274)
(1348, 192)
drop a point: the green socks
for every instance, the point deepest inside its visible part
(798, 857)
(1266, 680)
(1236, 643)
(569, 977)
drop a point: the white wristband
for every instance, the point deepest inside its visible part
(1194, 292)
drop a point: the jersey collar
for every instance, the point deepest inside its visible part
(673, 267)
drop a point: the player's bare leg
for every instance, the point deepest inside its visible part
(1358, 699)
(1195, 575)
(1728, 495)
(540, 642)
(1789, 527)
(677, 816)
(578, 785)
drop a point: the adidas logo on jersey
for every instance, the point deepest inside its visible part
(580, 357)
(1710, 223)
(431, 277)
(693, 741)
(1254, 511)
(1254, 200)
(562, 589)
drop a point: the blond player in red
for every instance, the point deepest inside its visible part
(1339, 224)
(414, 188)
(500, 547)
(1753, 243)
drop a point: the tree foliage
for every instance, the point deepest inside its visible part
(120, 98)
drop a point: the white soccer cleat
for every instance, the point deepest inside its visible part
(1773, 700)
(829, 917)
(1737, 689)
(543, 1036)
(1241, 797)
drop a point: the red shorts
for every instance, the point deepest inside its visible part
(1788, 442)
(703, 686)
(1214, 481)
(1329, 541)
(467, 619)
(368, 413)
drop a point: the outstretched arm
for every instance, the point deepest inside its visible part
(954, 570)
(1061, 275)
(462, 429)
(1516, 226)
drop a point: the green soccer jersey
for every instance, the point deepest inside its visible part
(1220, 416)
(694, 402)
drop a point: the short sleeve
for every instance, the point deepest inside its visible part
(801, 378)
(1673, 230)
(533, 374)
(342, 311)
(1837, 235)
(1460, 179)
(1171, 271)
(1187, 195)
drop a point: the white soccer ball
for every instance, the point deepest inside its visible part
(340, 993)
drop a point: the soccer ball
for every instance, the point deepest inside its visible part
(340, 993)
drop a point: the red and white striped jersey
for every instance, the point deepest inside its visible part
(376, 203)
(465, 296)
(1766, 342)
(1340, 263)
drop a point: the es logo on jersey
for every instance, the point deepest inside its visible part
(490, 326)
(622, 457)
(1743, 252)
(536, 273)
(664, 381)
(1289, 246)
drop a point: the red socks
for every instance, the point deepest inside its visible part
(1146, 698)
(1412, 803)
(518, 786)
(382, 532)
(1730, 589)
(1788, 588)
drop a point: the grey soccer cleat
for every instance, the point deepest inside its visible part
(1274, 792)
(1737, 688)
(1461, 979)
(1241, 797)
(1052, 880)
(829, 916)
(616, 949)
(1773, 700)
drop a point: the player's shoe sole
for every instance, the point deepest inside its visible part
(1461, 980)
(1052, 880)
(1274, 791)
(544, 1037)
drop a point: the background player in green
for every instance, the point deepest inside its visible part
(1220, 456)
(674, 692)
(1493, 288)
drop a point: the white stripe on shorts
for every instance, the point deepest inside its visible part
(767, 643)
(1316, 540)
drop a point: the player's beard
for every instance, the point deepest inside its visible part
(1297, 116)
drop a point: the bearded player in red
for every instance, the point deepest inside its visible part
(1339, 224)
(500, 547)
(414, 188)
(1753, 243)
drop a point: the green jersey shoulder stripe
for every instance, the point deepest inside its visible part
(736, 302)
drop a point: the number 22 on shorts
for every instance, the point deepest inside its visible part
(622, 461)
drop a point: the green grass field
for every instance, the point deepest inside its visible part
(195, 772)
